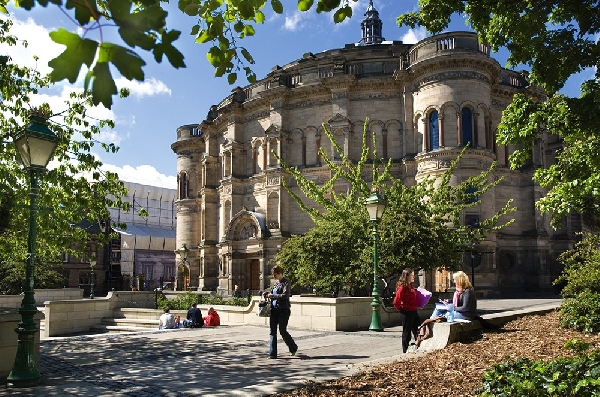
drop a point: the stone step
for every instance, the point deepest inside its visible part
(103, 328)
(130, 322)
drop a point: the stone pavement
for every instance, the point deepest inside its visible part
(221, 361)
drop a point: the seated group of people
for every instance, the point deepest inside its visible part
(193, 319)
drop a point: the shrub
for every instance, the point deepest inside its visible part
(237, 302)
(581, 293)
(578, 376)
(212, 300)
(181, 302)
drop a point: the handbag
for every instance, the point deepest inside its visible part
(263, 309)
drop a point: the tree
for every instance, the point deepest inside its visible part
(420, 228)
(556, 39)
(71, 191)
(581, 279)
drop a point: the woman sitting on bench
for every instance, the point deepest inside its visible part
(465, 303)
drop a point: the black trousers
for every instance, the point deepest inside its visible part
(410, 325)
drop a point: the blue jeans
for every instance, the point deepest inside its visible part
(280, 317)
(442, 312)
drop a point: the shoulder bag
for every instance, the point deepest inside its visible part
(264, 308)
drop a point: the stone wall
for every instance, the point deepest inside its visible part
(66, 317)
(309, 313)
(42, 295)
(9, 319)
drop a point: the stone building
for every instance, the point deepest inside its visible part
(141, 255)
(424, 102)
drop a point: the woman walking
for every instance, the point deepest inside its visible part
(406, 302)
(280, 312)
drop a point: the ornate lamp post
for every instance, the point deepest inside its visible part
(375, 206)
(35, 146)
(92, 276)
(183, 254)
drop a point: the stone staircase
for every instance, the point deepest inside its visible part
(132, 320)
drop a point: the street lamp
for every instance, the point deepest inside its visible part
(183, 254)
(375, 206)
(92, 276)
(35, 147)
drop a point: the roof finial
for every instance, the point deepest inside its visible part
(371, 27)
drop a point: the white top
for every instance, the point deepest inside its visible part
(166, 320)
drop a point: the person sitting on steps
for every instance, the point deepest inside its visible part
(166, 320)
(193, 318)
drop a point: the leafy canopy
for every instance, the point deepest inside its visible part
(74, 188)
(142, 24)
(420, 227)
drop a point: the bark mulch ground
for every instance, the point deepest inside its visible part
(458, 369)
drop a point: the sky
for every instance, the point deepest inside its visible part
(146, 122)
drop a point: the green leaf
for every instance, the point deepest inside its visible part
(204, 37)
(103, 85)
(277, 6)
(79, 51)
(249, 30)
(247, 55)
(85, 11)
(305, 5)
(232, 78)
(126, 61)
(165, 47)
(342, 13)
(135, 38)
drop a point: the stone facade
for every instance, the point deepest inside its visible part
(424, 103)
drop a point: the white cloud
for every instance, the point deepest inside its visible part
(149, 87)
(38, 44)
(296, 21)
(143, 174)
(413, 36)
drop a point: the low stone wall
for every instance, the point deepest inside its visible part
(9, 320)
(41, 296)
(311, 313)
(66, 317)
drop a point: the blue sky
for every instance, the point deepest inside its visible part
(147, 121)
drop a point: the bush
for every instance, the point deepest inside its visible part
(237, 302)
(212, 300)
(581, 293)
(181, 302)
(578, 376)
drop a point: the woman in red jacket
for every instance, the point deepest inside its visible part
(213, 319)
(406, 302)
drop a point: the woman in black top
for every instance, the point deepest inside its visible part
(280, 312)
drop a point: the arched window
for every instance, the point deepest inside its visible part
(434, 131)
(467, 127)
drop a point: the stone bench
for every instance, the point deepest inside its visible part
(443, 334)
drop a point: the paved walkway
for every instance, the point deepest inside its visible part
(221, 361)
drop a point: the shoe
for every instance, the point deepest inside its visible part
(294, 352)
(271, 357)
